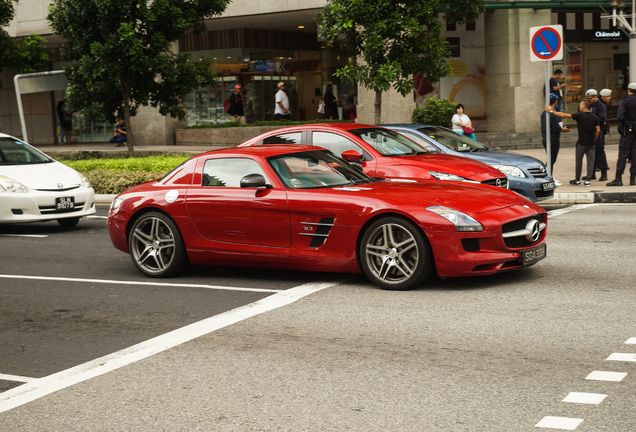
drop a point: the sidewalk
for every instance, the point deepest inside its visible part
(563, 170)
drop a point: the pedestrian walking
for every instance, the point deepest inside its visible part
(556, 128)
(281, 110)
(589, 129)
(236, 105)
(331, 104)
(627, 129)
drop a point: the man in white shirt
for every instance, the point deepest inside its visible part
(281, 110)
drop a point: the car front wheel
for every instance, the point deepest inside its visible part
(156, 246)
(395, 255)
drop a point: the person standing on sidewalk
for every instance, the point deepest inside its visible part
(556, 127)
(556, 87)
(236, 105)
(281, 109)
(600, 110)
(589, 130)
(600, 158)
(627, 129)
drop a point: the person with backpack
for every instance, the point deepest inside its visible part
(236, 105)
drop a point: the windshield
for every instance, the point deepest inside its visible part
(15, 152)
(388, 142)
(453, 140)
(315, 169)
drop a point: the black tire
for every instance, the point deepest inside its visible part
(395, 255)
(68, 222)
(156, 246)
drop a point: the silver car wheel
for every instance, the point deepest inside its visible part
(154, 245)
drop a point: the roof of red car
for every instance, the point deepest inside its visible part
(263, 150)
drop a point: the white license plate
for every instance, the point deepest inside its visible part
(531, 256)
(64, 204)
(548, 186)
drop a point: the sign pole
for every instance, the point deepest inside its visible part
(548, 132)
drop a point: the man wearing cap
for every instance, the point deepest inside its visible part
(556, 127)
(589, 129)
(600, 158)
(281, 110)
(627, 129)
(600, 110)
(236, 105)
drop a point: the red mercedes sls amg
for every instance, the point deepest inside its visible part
(299, 207)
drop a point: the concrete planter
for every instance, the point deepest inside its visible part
(221, 137)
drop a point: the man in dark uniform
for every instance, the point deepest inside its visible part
(627, 129)
(236, 105)
(598, 108)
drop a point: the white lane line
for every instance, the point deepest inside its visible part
(563, 423)
(631, 341)
(627, 357)
(562, 211)
(25, 235)
(585, 398)
(44, 386)
(16, 378)
(606, 376)
(122, 282)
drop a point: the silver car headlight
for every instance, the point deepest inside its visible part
(462, 221)
(447, 176)
(9, 185)
(510, 170)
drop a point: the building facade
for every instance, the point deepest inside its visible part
(262, 42)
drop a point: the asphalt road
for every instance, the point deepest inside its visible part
(97, 348)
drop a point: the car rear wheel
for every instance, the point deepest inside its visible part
(395, 255)
(156, 246)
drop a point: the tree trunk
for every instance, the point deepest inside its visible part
(378, 107)
(125, 91)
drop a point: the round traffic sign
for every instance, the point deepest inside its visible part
(546, 43)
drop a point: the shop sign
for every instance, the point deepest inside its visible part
(607, 35)
(261, 66)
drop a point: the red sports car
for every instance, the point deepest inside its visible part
(383, 153)
(299, 207)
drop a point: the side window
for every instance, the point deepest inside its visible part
(284, 138)
(228, 172)
(334, 142)
(421, 141)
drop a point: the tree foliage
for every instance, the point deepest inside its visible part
(121, 58)
(393, 39)
(27, 54)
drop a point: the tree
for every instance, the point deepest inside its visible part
(27, 54)
(393, 40)
(121, 58)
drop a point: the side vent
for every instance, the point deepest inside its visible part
(319, 231)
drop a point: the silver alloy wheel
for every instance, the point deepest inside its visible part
(153, 245)
(392, 253)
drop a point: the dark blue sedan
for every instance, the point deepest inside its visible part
(527, 176)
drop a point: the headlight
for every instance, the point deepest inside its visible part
(462, 221)
(446, 176)
(9, 185)
(114, 206)
(84, 180)
(510, 170)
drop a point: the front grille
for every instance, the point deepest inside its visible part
(60, 189)
(538, 172)
(320, 231)
(517, 233)
(499, 182)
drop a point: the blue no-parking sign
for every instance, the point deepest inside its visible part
(546, 43)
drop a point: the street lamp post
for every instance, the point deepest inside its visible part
(630, 28)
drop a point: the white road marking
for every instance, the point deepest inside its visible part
(25, 235)
(565, 210)
(606, 376)
(123, 282)
(16, 378)
(627, 357)
(631, 341)
(585, 398)
(563, 423)
(44, 386)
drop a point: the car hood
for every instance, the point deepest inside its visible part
(463, 167)
(467, 198)
(493, 157)
(44, 176)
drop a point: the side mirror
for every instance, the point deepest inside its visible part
(254, 181)
(354, 158)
